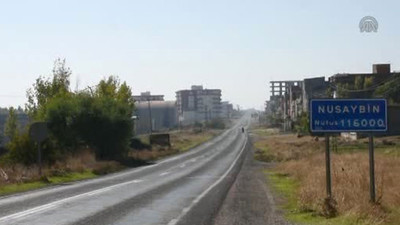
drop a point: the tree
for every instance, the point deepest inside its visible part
(104, 118)
(100, 117)
(112, 88)
(359, 83)
(20, 147)
(44, 90)
(368, 82)
(343, 90)
(22, 150)
(11, 126)
(390, 90)
(60, 116)
(302, 125)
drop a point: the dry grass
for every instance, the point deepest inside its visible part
(181, 141)
(303, 160)
(80, 163)
(285, 147)
(350, 180)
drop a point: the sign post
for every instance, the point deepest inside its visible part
(371, 169)
(38, 132)
(349, 115)
(328, 167)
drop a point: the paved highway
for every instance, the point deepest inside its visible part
(184, 189)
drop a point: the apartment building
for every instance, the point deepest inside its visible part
(198, 104)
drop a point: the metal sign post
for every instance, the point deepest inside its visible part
(349, 115)
(38, 132)
(328, 167)
(40, 158)
(371, 169)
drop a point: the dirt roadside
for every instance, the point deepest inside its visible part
(250, 200)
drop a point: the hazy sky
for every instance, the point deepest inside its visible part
(164, 46)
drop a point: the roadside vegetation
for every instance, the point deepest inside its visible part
(299, 178)
(181, 141)
(90, 134)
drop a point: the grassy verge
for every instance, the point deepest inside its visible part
(21, 187)
(186, 142)
(299, 178)
(286, 188)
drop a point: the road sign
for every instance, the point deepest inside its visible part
(38, 131)
(345, 115)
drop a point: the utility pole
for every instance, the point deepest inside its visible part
(150, 118)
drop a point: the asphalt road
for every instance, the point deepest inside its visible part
(184, 189)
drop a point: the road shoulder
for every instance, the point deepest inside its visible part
(250, 199)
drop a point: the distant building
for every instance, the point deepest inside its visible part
(146, 96)
(198, 104)
(284, 103)
(226, 110)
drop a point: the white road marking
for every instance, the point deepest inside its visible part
(99, 191)
(32, 211)
(57, 203)
(163, 174)
(204, 193)
(183, 165)
(173, 222)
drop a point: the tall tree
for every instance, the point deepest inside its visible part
(45, 89)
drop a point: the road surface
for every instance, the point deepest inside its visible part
(184, 189)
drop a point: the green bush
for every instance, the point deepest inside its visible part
(105, 125)
(60, 115)
(21, 150)
(100, 117)
(302, 126)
